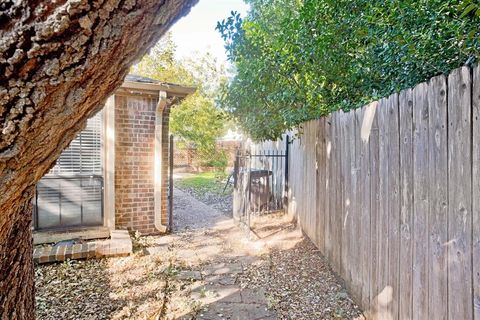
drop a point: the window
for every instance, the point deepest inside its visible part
(71, 194)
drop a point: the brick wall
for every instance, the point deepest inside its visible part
(134, 160)
(188, 157)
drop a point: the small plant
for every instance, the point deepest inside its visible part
(171, 271)
(271, 301)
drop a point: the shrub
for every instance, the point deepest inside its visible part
(298, 60)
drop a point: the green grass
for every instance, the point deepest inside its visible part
(204, 182)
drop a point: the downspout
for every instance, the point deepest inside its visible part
(159, 178)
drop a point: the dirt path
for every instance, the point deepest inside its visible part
(205, 284)
(206, 269)
(279, 276)
(191, 214)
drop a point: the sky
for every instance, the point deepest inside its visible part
(196, 31)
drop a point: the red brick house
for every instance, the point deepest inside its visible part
(114, 174)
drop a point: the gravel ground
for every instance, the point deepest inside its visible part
(222, 202)
(294, 277)
(300, 284)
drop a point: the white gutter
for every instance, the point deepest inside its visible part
(158, 164)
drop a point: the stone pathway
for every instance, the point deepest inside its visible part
(218, 272)
(206, 263)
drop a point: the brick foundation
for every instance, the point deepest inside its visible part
(118, 245)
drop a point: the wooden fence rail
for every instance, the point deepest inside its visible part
(390, 193)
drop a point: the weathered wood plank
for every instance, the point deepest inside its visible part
(312, 185)
(365, 207)
(328, 187)
(459, 195)
(305, 165)
(301, 171)
(374, 149)
(309, 168)
(314, 193)
(393, 203)
(383, 291)
(356, 206)
(337, 214)
(406, 203)
(420, 204)
(320, 183)
(437, 217)
(349, 221)
(346, 189)
(476, 191)
(333, 195)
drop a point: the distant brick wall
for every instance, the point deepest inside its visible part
(134, 161)
(188, 158)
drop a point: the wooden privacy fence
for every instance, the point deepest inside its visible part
(390, 193)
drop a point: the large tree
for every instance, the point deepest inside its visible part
(197, 121)
(59, 61)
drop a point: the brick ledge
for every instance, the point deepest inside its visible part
(119, 244)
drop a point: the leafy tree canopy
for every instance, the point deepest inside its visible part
(297, 60)
(197, 121)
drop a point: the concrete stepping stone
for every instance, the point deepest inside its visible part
(223, 268)
(189, 275)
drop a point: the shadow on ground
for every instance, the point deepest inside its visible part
(208, 269)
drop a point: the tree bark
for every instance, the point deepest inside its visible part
(16, 267)
(59, 61)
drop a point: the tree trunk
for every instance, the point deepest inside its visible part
(16, 267)
(59, 61)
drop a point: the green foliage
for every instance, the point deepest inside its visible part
(217, 159)
(196, 121)
(205, 182)
(298, 60)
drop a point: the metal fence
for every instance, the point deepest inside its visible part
(260, 181)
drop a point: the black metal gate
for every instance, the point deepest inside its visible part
(260, 184)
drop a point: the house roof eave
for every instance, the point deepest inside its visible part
(172, 90)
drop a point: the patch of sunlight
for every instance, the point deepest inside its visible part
(368, 117)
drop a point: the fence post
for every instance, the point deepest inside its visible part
(287, 147)
(236, 174)
(236, 166)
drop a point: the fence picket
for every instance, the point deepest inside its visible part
(459, 195)
(420, 202)
(374, 149)
(393, 203)
(320, 183)
(476, 191)
(356, 205)
(406, 203)
(383, 291)
(344, 125)
(437, 216)
(328, 188)
(365, 260)
(337, 212)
